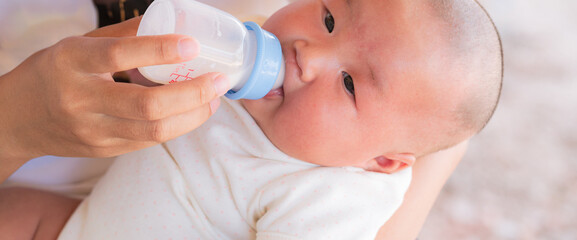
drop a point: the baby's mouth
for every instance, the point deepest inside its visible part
(275, 92)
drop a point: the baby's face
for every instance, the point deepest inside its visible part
(355, 84)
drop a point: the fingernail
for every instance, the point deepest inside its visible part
(214, 105)
(187, 48)
(221, 84)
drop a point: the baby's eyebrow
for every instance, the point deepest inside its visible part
(349, 7)
(374, 81)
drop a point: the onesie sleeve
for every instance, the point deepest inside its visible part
(328, 203)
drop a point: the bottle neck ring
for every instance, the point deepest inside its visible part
(267, 65)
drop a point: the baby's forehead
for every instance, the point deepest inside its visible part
(399, 22)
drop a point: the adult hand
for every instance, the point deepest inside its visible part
(63, 101)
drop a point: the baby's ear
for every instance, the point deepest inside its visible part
(391, 163)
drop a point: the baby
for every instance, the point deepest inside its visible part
(370, 86)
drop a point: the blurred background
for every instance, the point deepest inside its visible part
(519, 177)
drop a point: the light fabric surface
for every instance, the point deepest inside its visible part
(226, 180)
(74, 177)
(30, 25)
(245, 9)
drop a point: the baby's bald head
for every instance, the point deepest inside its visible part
(473, 63)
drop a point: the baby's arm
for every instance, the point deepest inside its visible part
(33, 214)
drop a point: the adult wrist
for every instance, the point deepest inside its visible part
(12, 154)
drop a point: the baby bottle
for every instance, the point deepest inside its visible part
(250, 56)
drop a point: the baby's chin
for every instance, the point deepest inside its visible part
(265, 107)
(262, 110)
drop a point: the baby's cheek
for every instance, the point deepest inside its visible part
(307, 140)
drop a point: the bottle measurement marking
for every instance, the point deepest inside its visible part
(175, 76)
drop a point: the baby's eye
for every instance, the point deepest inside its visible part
(329, 22)
(348, 81)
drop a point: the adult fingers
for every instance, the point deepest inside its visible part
(106, 54)
(127, 28)
(114, 147)
(160, 130)
(136, 134)
(136, 102)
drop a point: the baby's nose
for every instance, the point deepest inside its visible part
(314, 60)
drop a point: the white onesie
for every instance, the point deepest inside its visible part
(226, 180)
